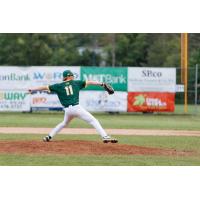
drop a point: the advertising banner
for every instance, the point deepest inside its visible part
(146, 79)
(45, 100)
(14, 78)
(14, 101)
(151, 102)
(117, 77)
(22, 78)
(50, 75)
(100, 101)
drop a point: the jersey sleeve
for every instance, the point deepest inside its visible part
(53, 88)
(82, 84)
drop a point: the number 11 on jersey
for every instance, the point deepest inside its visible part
(69, 90)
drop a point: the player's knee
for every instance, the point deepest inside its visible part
(93, 121)
(63, 123)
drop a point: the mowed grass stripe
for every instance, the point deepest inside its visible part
(121, 121)
(24, 160)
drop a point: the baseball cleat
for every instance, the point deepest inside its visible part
(47, 138)
(108, 139)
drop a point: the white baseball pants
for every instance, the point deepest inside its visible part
(80, 112)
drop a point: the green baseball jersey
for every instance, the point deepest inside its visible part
(68, 91)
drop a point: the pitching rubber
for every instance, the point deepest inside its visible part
(111, 141)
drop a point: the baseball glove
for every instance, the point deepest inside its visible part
(108, 88)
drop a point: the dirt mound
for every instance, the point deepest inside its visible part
(76, 147)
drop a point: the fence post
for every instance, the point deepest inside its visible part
(196, 87)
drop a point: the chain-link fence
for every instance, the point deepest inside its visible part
(188, 103)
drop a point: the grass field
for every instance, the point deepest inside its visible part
(127, 121)
(138, 121)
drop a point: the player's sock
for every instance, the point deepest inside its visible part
(58, 128)
(99, 128)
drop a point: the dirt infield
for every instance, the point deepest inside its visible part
(76, 147)
(30, 130)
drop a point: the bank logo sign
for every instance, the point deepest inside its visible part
(117, 77)
(14, 78)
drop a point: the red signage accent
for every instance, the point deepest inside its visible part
(38, 100)
(151, 102)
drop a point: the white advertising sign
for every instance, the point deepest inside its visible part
(45, 100)
(94, 101)
(22, 78)
(50, 75)
(100, 101)
(179, 88)
(14, 78)
(14, 101)
(146, 79)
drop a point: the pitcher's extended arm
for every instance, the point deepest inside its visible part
(94, 83)
(106, 86)
(42, 88)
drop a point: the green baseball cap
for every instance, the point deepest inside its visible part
(67, 73)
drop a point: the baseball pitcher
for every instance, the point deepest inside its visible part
(68, 94)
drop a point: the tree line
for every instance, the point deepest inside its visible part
(96, 49)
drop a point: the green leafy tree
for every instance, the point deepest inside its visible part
(164, 50)
(124, 49)
(130, 50)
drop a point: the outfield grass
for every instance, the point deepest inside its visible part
(128, 121)
(179, 143)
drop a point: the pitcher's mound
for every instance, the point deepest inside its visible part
(76, 147)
